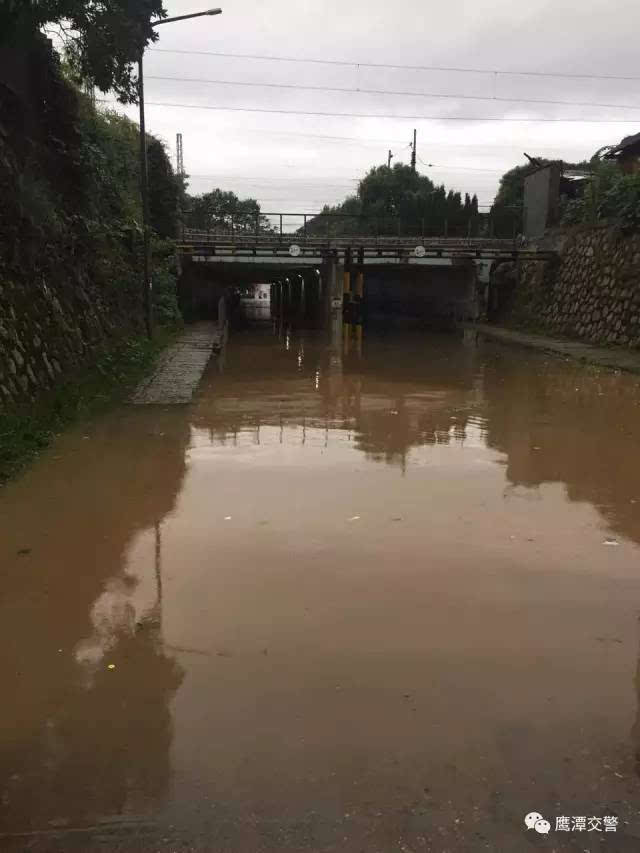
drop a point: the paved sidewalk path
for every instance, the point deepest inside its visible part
(181, 367)
(619, 359)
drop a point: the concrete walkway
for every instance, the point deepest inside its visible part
(617, 359)
(181, 367)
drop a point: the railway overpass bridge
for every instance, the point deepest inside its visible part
(339, 270)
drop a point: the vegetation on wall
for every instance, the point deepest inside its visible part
(71, 192)
(71, 257)
(89, 391)
(607, 194)
(622, 200)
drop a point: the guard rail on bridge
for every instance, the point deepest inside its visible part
(252, 239)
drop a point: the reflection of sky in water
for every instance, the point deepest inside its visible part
(126, 599)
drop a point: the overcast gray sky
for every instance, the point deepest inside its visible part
(282, 159)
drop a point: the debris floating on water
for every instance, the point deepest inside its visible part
(111, 666)
(610, 542)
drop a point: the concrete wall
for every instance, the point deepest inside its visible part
(541, 199)
(591, 293)
(199, 291)
(428, 296)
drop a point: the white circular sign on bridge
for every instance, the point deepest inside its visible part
(419, 251)
(294, 250)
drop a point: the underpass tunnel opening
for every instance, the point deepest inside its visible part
(426, 296)
(199, 292)
(298, 299)
(436, 297)
(253, 303)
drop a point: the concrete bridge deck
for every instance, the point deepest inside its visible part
(296, 249)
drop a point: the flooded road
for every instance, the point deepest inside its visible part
(382, 601)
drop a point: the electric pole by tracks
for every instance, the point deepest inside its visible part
(179, 155)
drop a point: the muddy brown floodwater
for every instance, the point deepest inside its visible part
(378, 602)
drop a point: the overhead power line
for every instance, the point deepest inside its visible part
(373, 141)
(395, 93)
(328, 113)
(461, 168)
(275, 183)
(357, 64)
(304, 182)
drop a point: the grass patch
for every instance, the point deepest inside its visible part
(91, 390)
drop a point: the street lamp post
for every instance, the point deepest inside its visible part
(144, 177)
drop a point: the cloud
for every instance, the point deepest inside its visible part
(284, 161)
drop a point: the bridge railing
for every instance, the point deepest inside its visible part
(324, 228)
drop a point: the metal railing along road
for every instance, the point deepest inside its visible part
(330, 229)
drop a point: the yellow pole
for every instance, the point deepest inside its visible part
(360, 284)
(346, 282)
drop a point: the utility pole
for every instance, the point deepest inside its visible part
(179, 155)
(413, 152)
(389, 158)
(181, 185)
(144, 182)
(144, 175)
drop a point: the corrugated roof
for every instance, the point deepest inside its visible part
(624, 144)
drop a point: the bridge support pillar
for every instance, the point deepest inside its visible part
(470, 309)
(302, 303)
(333, 287)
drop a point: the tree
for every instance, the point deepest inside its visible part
(102, 38)
(506, 211)
(163, 190)
(220, 210)
(392, 201)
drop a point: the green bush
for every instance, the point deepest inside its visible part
(165, 296)
(607, 195)
(71, 199)
(622, 201)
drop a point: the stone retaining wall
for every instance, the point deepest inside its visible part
(591, 293)
(49, 328)
(68, 290)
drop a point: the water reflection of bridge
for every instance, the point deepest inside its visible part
(308, 392)
(526, 408)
